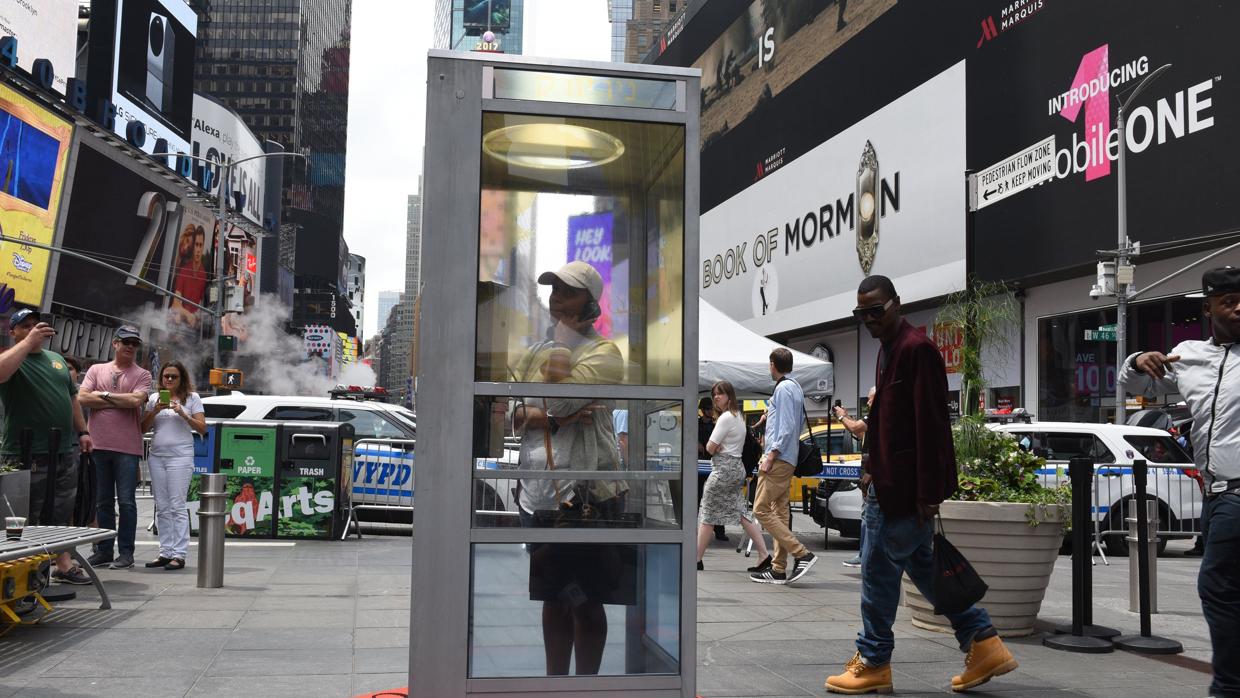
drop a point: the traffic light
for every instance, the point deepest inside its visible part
(227, 342)
(226, 378)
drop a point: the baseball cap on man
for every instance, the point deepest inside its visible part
(127, 332)
(1218, 281)
(22, 315)
(578, 275)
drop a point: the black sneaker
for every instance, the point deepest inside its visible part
(75, 575)
(122, 562)
(800, 566)
(100, 559)
(700, 566)
(769, 576)
(761, 566)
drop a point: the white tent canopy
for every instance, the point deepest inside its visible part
(728, 351)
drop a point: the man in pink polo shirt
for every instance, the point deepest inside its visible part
(115, 393)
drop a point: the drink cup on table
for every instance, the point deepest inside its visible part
(13, 527)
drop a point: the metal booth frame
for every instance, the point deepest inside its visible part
(459, 92)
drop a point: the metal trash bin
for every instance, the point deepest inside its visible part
(308, 488)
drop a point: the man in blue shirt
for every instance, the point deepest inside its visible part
(784, 417)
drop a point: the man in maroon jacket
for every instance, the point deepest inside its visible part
(913, 465)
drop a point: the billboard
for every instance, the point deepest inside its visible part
(46, 29)
(780, 78)
(483, 15)
(590, 241)
(142, 58)
(34, 152)
(884, 196)
(222, 137)
(128, 223)
(1046, 78)
(192, 266)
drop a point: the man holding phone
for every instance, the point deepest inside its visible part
(115, 393)
(39, 395)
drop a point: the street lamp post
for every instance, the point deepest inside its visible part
(1123, 273)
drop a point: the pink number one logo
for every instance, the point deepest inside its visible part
(1094, 65)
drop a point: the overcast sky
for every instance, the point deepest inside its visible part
(387, 116)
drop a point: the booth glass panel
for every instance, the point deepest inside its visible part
(634, 446)
(607, 193)
(548, 609)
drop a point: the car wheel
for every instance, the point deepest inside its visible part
(1117, 544)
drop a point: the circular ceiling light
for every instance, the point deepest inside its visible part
(552, 146)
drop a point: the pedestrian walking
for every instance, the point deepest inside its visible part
(173, 415)
(706, 426)
(39, 395)
(912, 464)
(115, 392)
(723, 497)
(784, 416)
(1207, 375)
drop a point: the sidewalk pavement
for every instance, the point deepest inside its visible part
(328, 618)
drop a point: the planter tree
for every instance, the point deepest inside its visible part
(1001, 518)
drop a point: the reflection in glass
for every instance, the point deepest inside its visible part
(612, 463)
(543, 609)
(581, 247)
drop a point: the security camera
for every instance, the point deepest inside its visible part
(1096, 291)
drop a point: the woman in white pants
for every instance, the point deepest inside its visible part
(173, 414)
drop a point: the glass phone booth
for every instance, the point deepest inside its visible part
(554, 516)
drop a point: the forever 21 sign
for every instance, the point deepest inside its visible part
(81, 338)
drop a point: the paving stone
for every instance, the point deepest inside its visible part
(381, 661)
(294, 686)
(368, 638)
(262, 638)
(302, 662)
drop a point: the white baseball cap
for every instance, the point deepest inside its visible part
(578, 275)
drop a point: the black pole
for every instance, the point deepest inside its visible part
(1076, 639)
(47, 517)
(1146, 642)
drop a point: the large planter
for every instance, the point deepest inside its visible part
(1014, 558)
(15, 487)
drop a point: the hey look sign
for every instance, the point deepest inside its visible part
(590, 241)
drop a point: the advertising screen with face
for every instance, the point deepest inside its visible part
(34, 151)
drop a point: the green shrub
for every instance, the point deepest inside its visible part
(994, 468)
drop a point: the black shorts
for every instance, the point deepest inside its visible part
(578, 573)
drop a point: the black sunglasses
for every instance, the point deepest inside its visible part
(132, 342)
(171, 377)
(873, 311)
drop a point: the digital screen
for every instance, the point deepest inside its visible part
(28, 160)
(495, 15)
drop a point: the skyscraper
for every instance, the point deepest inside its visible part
(460, 24)
(283, 65)
(387, 301)
(413, 243)
(356, 283)
(637, 26)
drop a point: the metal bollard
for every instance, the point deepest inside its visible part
(211, 514)
(1151, 546)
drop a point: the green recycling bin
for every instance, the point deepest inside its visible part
(247, 457)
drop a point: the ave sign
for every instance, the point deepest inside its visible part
(1033, 165)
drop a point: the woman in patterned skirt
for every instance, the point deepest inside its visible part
(723, 497)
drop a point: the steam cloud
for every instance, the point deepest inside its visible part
(274, 361)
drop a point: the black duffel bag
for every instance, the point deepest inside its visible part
(957, 586)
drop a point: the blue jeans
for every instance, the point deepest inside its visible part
(116, 481)
(1219, 587)
(890, 547)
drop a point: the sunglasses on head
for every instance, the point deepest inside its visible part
(873, 311)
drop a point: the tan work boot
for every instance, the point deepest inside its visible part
(858, 678)
(986, 659)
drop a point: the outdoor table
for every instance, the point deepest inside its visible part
(54, 540)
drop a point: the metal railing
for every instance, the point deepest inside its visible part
(1178, 491)
(380, 478)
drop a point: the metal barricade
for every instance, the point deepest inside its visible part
(144, 472)
(1177, 490)
(380, 478)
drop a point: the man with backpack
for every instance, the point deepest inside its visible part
(784, 418)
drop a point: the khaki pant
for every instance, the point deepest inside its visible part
(771, 509)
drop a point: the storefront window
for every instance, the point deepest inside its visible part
(581, 245)
(1076, 355)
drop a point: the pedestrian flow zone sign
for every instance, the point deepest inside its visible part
(1011, 175)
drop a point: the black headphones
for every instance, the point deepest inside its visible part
(591, 310)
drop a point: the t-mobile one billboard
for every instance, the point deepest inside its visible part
(884, 196)
(1046, 78)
